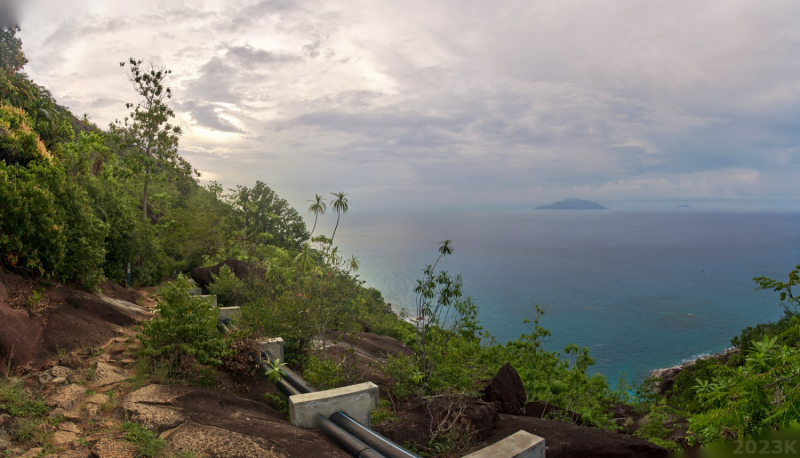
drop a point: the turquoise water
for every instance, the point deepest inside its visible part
(640, 290)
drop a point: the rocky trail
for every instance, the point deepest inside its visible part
(78, 355)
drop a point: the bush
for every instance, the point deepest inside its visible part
(682, 395)
(47, 224)
(186, 325)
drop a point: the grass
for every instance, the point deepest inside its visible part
(18, 402)
(91, 372)
(111, 403)
(28, 432)
(385, 414)
(147, 443)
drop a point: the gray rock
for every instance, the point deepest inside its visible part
(221, 425)
(107, 448)
(61, 371)
(68, 397)
(106, 374)
(5, 441)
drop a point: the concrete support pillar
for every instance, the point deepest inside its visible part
(274, 348)
(229, 313)
(357, 401)
(521, 444)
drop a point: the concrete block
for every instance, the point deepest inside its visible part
(274, 348)
(212, 298)
(356, 401)
(521, 444)
(196, 291)
(229, 313)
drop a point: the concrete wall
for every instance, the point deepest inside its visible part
(357, 401)
(521, 444)
(274, 348)
(229, 313)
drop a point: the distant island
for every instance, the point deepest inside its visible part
(573, 204)
(683, 206)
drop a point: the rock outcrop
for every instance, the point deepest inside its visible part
(421, 418)
(507, 391)
(221, 425)
(565, 440)
(74, 320)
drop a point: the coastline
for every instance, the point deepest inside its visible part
(668, 375)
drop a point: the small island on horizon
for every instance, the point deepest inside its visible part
(683, 206)
(573, 204)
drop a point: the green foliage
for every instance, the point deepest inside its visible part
(274, 373)
(146, 135)
(758, 396)
(784, 288)
(48, 224)
(458, 354)
(443, 315)
(18, 402)
(260, 216)
(323, 373)
(683, 395)
(185, 325)
(12, 58)
(147, 443)
(786, 331)
(230, 291)
(653, 429)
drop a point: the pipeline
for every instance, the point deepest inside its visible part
(379, 443)
(342, 429)
(223, 325)
(286, 374)
(345, 440)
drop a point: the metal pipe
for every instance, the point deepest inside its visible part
(287, 374)
(345, 440)
(371, 438)
(286, 388)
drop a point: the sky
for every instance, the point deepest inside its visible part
(453, 103)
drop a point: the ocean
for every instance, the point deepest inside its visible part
(640, 290)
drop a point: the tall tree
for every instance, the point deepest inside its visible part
(340, 205)
(262, 217)
(147, 132)
(317, 207)
(12, 59)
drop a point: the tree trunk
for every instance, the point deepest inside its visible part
(144, 195)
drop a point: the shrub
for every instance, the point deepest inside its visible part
(47, 223)
(186, 325)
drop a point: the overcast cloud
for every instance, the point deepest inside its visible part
(431, 103)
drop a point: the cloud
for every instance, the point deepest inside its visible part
(209, 116)
(434, 101)
(247, 55)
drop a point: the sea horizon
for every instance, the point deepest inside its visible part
(641, 290)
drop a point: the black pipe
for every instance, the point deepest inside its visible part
(288, 375)
(379, 443)
(345, 440)
(286, 388)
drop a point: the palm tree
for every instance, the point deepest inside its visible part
(42, 107)
(317, 207)
(340, 205)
